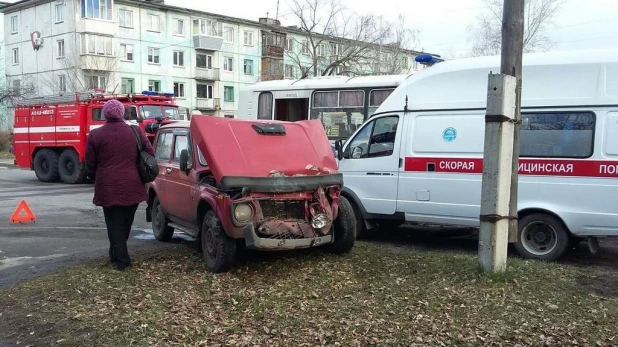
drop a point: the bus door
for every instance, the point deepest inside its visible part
(291, 110)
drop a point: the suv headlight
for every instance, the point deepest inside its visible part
(243, 212)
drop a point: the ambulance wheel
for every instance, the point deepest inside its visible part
(70, 169)
(219, 250)
(46, 166)
(344, 229)
(542, 237)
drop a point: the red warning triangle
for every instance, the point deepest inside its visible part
(17, 216)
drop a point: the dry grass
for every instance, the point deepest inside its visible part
(373, 296)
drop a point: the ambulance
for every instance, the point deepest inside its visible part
(419, 158)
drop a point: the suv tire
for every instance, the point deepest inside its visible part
(344, 228)
(218, 249)
(46, 166)
(160, 228)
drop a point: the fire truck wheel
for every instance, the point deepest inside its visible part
(542, 237)
(70, 169)
(344, 228)
(219, 250)
(162, 231)
(46, 166)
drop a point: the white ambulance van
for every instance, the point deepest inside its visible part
(419, 157)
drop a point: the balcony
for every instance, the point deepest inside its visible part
(272, 51)
(209, 43)
(206, 74)
(97, 26)
(208, 104)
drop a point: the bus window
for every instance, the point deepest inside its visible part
(341, 112)
(265, 106)
(376, 98)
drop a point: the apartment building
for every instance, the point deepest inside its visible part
(125, 46)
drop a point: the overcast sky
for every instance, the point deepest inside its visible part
(580, 24)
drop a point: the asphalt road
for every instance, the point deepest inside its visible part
(68, 227)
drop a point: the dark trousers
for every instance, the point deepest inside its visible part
(119, 220)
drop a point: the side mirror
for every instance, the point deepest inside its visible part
(357, 152)
(184, 161)
(339, 149)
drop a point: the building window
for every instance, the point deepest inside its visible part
(203, 61)
(248, 67)
(179, 28)
(15, 56)
(321, 50)
(60, 48)
(153, 23)
(179, 90)
(96, 82)
(127, 52)
(289, 71)
(59, 12)
(289, 44)
(62, 83)
(228, 34)
(248, 38)
(125, 17)
(228, 64)
(97, 9)
(14, 24)
(229, 116)
(127, 85)
(154, 86)
(207, 27)
(557, 134)
(204, 91)
(179, 58)
(228, 94)
(153, 55)
(305, 48)
(95, 44)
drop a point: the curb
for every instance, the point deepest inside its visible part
(7, 164)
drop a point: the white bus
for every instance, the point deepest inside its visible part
(341, 103)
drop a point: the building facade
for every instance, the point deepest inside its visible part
(128, 46)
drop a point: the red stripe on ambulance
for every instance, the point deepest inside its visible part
(534, 167)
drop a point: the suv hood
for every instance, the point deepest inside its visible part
(254, 148)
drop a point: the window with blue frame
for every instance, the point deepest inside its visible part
(97, 9)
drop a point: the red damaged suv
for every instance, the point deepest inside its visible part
(273, 185)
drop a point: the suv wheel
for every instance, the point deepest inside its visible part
(219, 250)
(344, 228)
(162, 231)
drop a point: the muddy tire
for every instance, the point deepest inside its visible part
(344, 228)
(218, 249)
(360, 227)
(70, 169)
(160, 228)
(46, 166)
(541, 237)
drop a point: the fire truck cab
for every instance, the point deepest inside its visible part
(50, 132)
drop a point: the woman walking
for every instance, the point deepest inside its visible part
(111, 154)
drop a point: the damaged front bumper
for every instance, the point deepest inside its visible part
(254, 241)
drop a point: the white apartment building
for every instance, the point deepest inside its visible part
(125, 46)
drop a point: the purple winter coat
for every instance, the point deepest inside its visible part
(111, 153)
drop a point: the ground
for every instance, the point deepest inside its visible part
(412, 286)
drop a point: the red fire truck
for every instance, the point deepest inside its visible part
(50, 132)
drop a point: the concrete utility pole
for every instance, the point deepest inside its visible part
(500, 163)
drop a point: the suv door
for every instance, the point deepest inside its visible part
(371, 164)
(163, 155)
(181, 183)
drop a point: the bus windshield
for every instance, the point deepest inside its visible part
(155, 111)
(343, 111)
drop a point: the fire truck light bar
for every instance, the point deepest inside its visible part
(148, 92)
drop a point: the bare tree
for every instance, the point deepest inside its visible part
(334, 39)
(14, 91)
(486, 35)
(87, 72)
(393, 50)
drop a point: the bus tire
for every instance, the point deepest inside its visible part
(69, 167)
(46, 166)
(541, 237)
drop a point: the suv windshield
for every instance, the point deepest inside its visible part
(159, 111)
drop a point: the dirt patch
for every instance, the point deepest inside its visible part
(604, 285)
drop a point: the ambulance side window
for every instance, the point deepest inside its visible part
(376, 139)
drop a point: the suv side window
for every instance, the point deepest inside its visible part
(181, 142)
(163, 152)
(376, 139)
